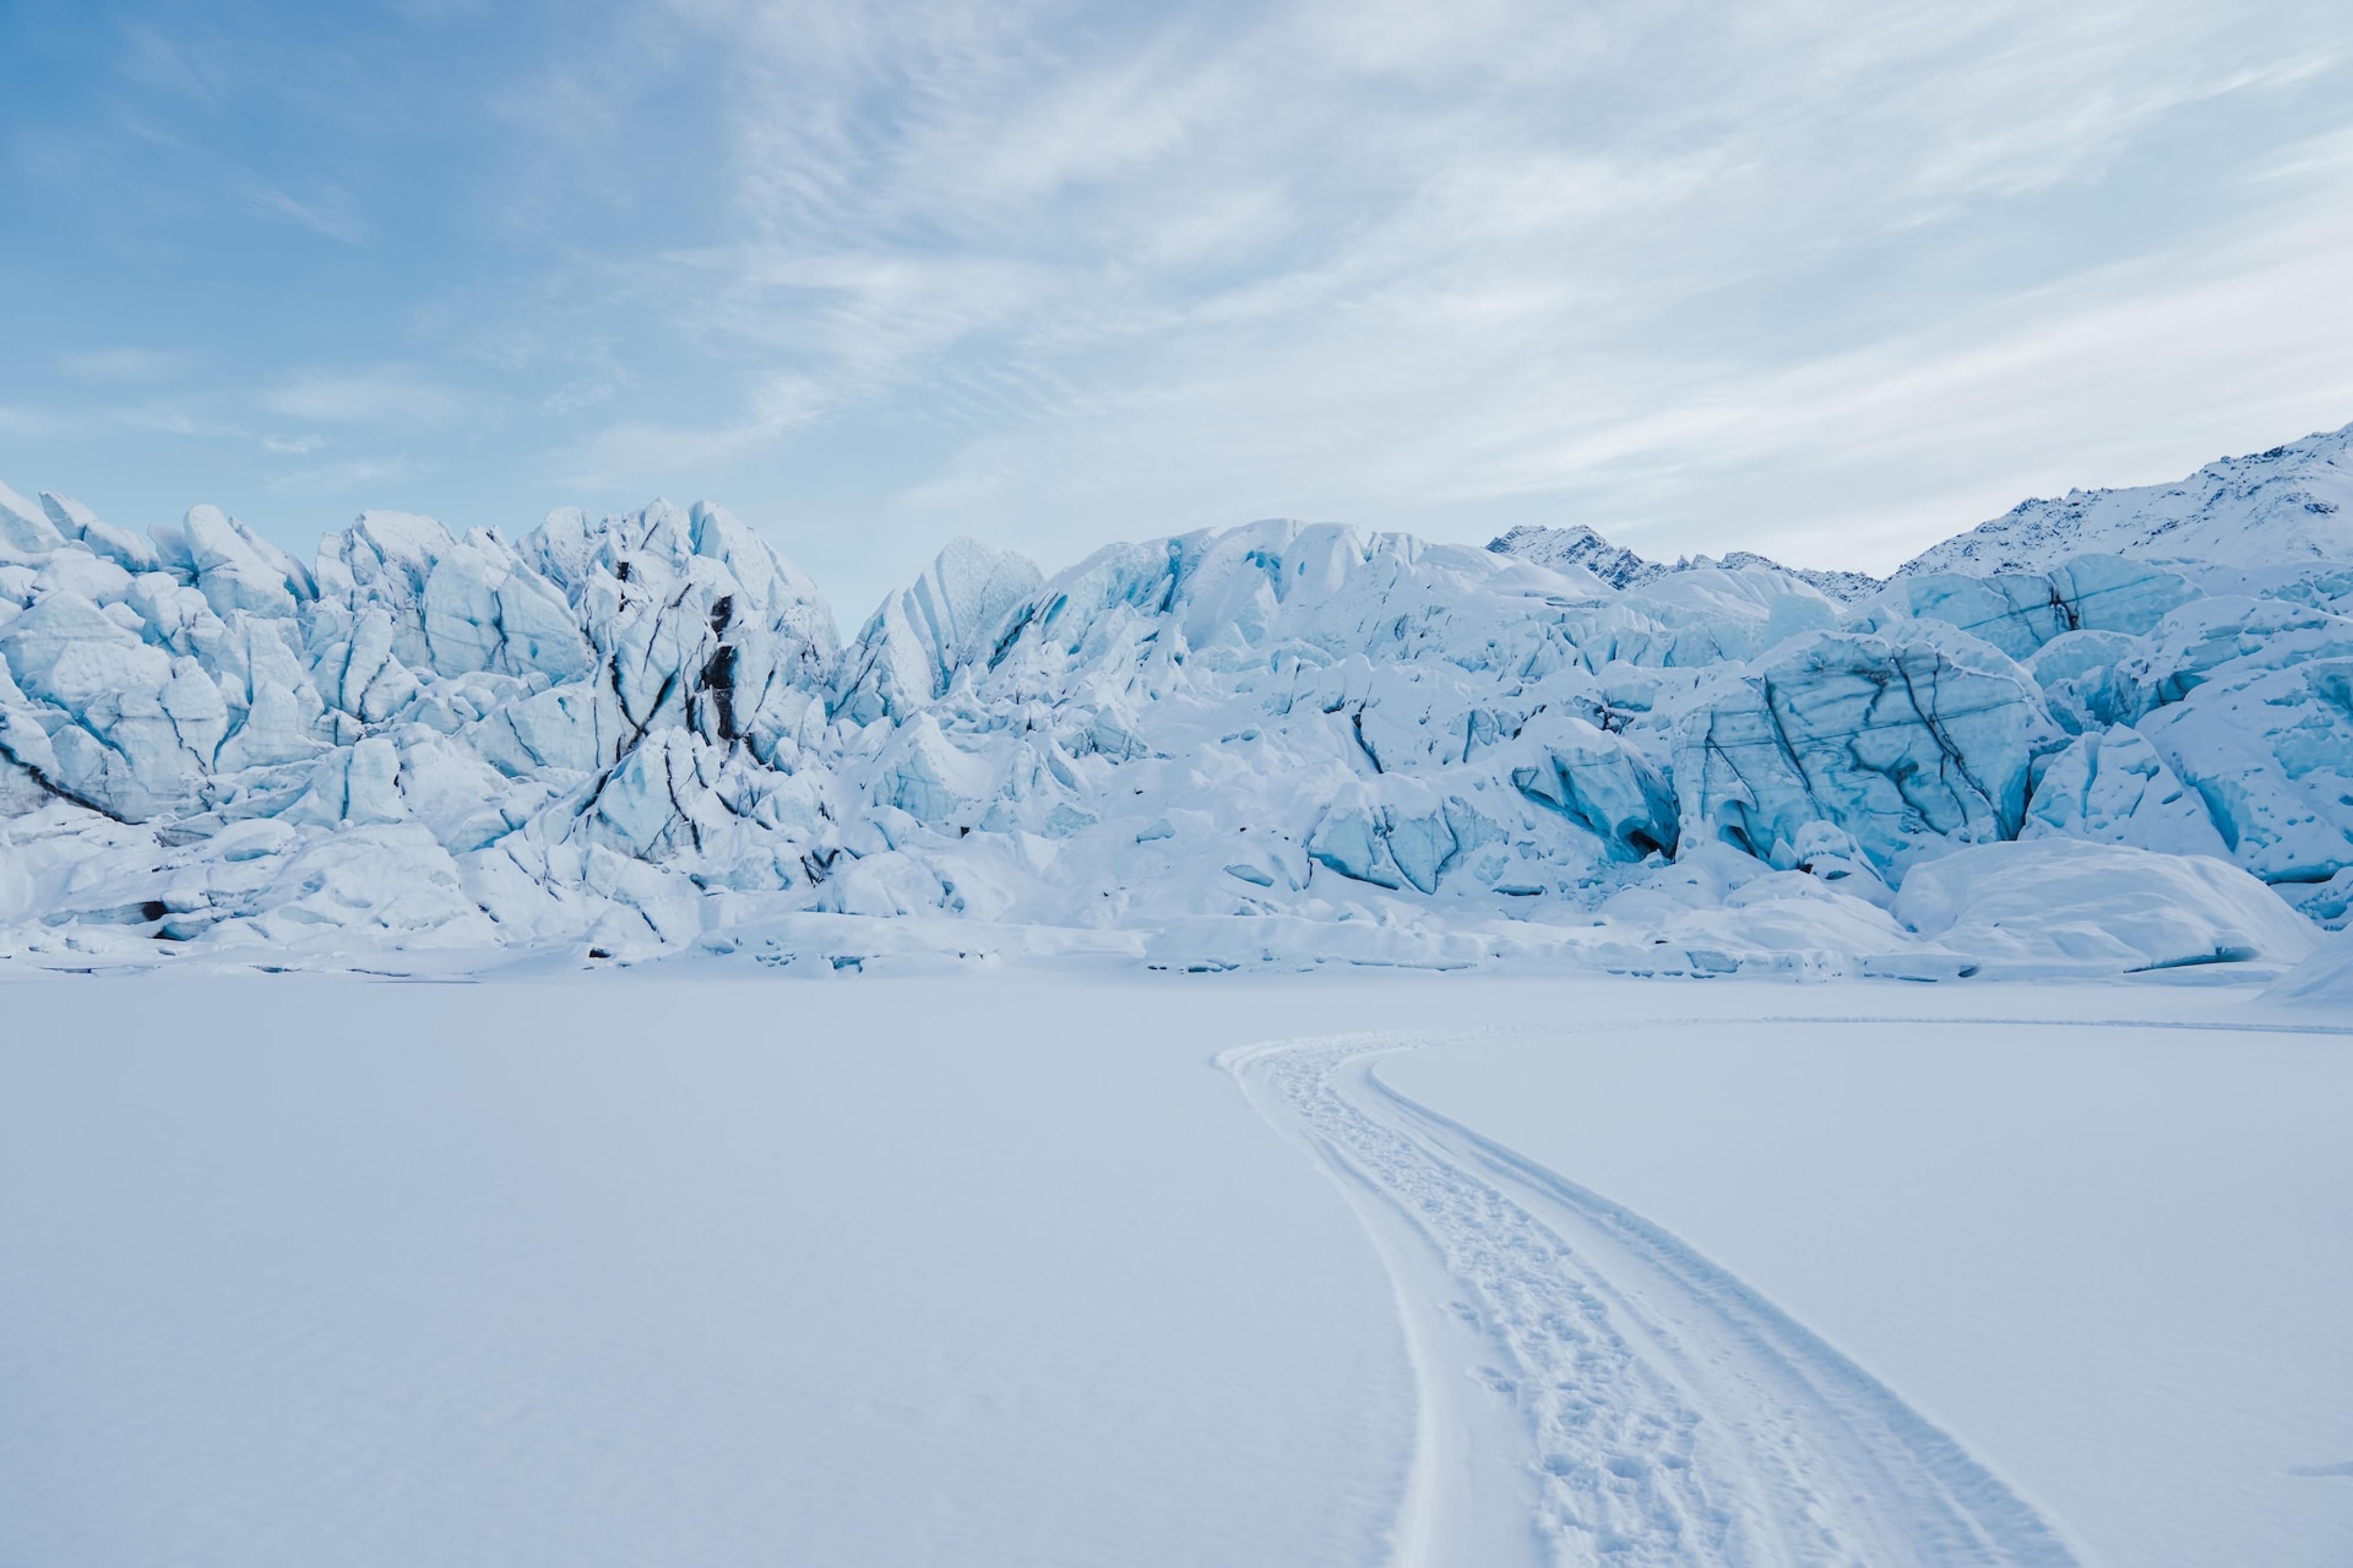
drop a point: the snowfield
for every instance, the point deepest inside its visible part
(2095, 1254)
(703, 1265)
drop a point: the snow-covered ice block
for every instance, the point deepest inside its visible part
(2111, 786)
(26, 529)
(1599, 782)
(2019, 613)
(2270, 751)
(1911, 742)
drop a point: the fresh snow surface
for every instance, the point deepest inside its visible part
(1273, 745)
(703, 1265)
(637, 1272)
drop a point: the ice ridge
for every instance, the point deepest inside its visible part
(1279, 742)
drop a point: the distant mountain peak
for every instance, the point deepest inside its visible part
(1576, 546)
(2286, 505)
(1621, 568)
(2291, 504)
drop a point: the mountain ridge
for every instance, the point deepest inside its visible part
(2287, 505)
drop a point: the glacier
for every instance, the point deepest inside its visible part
(2108, 735)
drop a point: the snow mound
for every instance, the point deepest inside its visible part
(2065, 907)
(2323, 980)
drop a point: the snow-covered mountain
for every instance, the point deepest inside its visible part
(1276, 742)
(1565, 548)
(1576, 548)
(2289, 506)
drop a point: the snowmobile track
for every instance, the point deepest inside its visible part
(1594, 1390)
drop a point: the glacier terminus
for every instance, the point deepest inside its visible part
(2105, 735)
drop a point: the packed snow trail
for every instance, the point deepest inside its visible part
(1592, 1389)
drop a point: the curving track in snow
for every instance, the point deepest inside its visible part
(1593, 1390)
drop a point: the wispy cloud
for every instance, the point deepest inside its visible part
(173, 416)
(2328, 156)
(16, 419)
(641, 450)
(341, 478)
(328, 211)
(154, 59)
(387, 396)
(126, 366)
(1017, 191)
(600, 381)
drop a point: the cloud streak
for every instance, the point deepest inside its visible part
(390, 396)
(330, 212)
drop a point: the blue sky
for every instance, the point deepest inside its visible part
(1827, 279)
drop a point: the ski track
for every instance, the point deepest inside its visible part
(1583, 1366)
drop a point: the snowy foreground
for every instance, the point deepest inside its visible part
(2103, 734)
(700, 1265)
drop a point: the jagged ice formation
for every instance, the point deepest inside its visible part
(1279, 742)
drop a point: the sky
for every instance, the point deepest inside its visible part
(1829, 280)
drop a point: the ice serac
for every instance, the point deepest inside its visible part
(2019, 613)
(1601, 783)
(909, 652)
(2110, 786)
(102, 717)
(637, 690)
(26, 529)
(1716, 615)
(101, 538)
(679, 743)
(2270, 751)
(234, 568)
(1911, 743)
(2088, 680)
(2250, 703)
